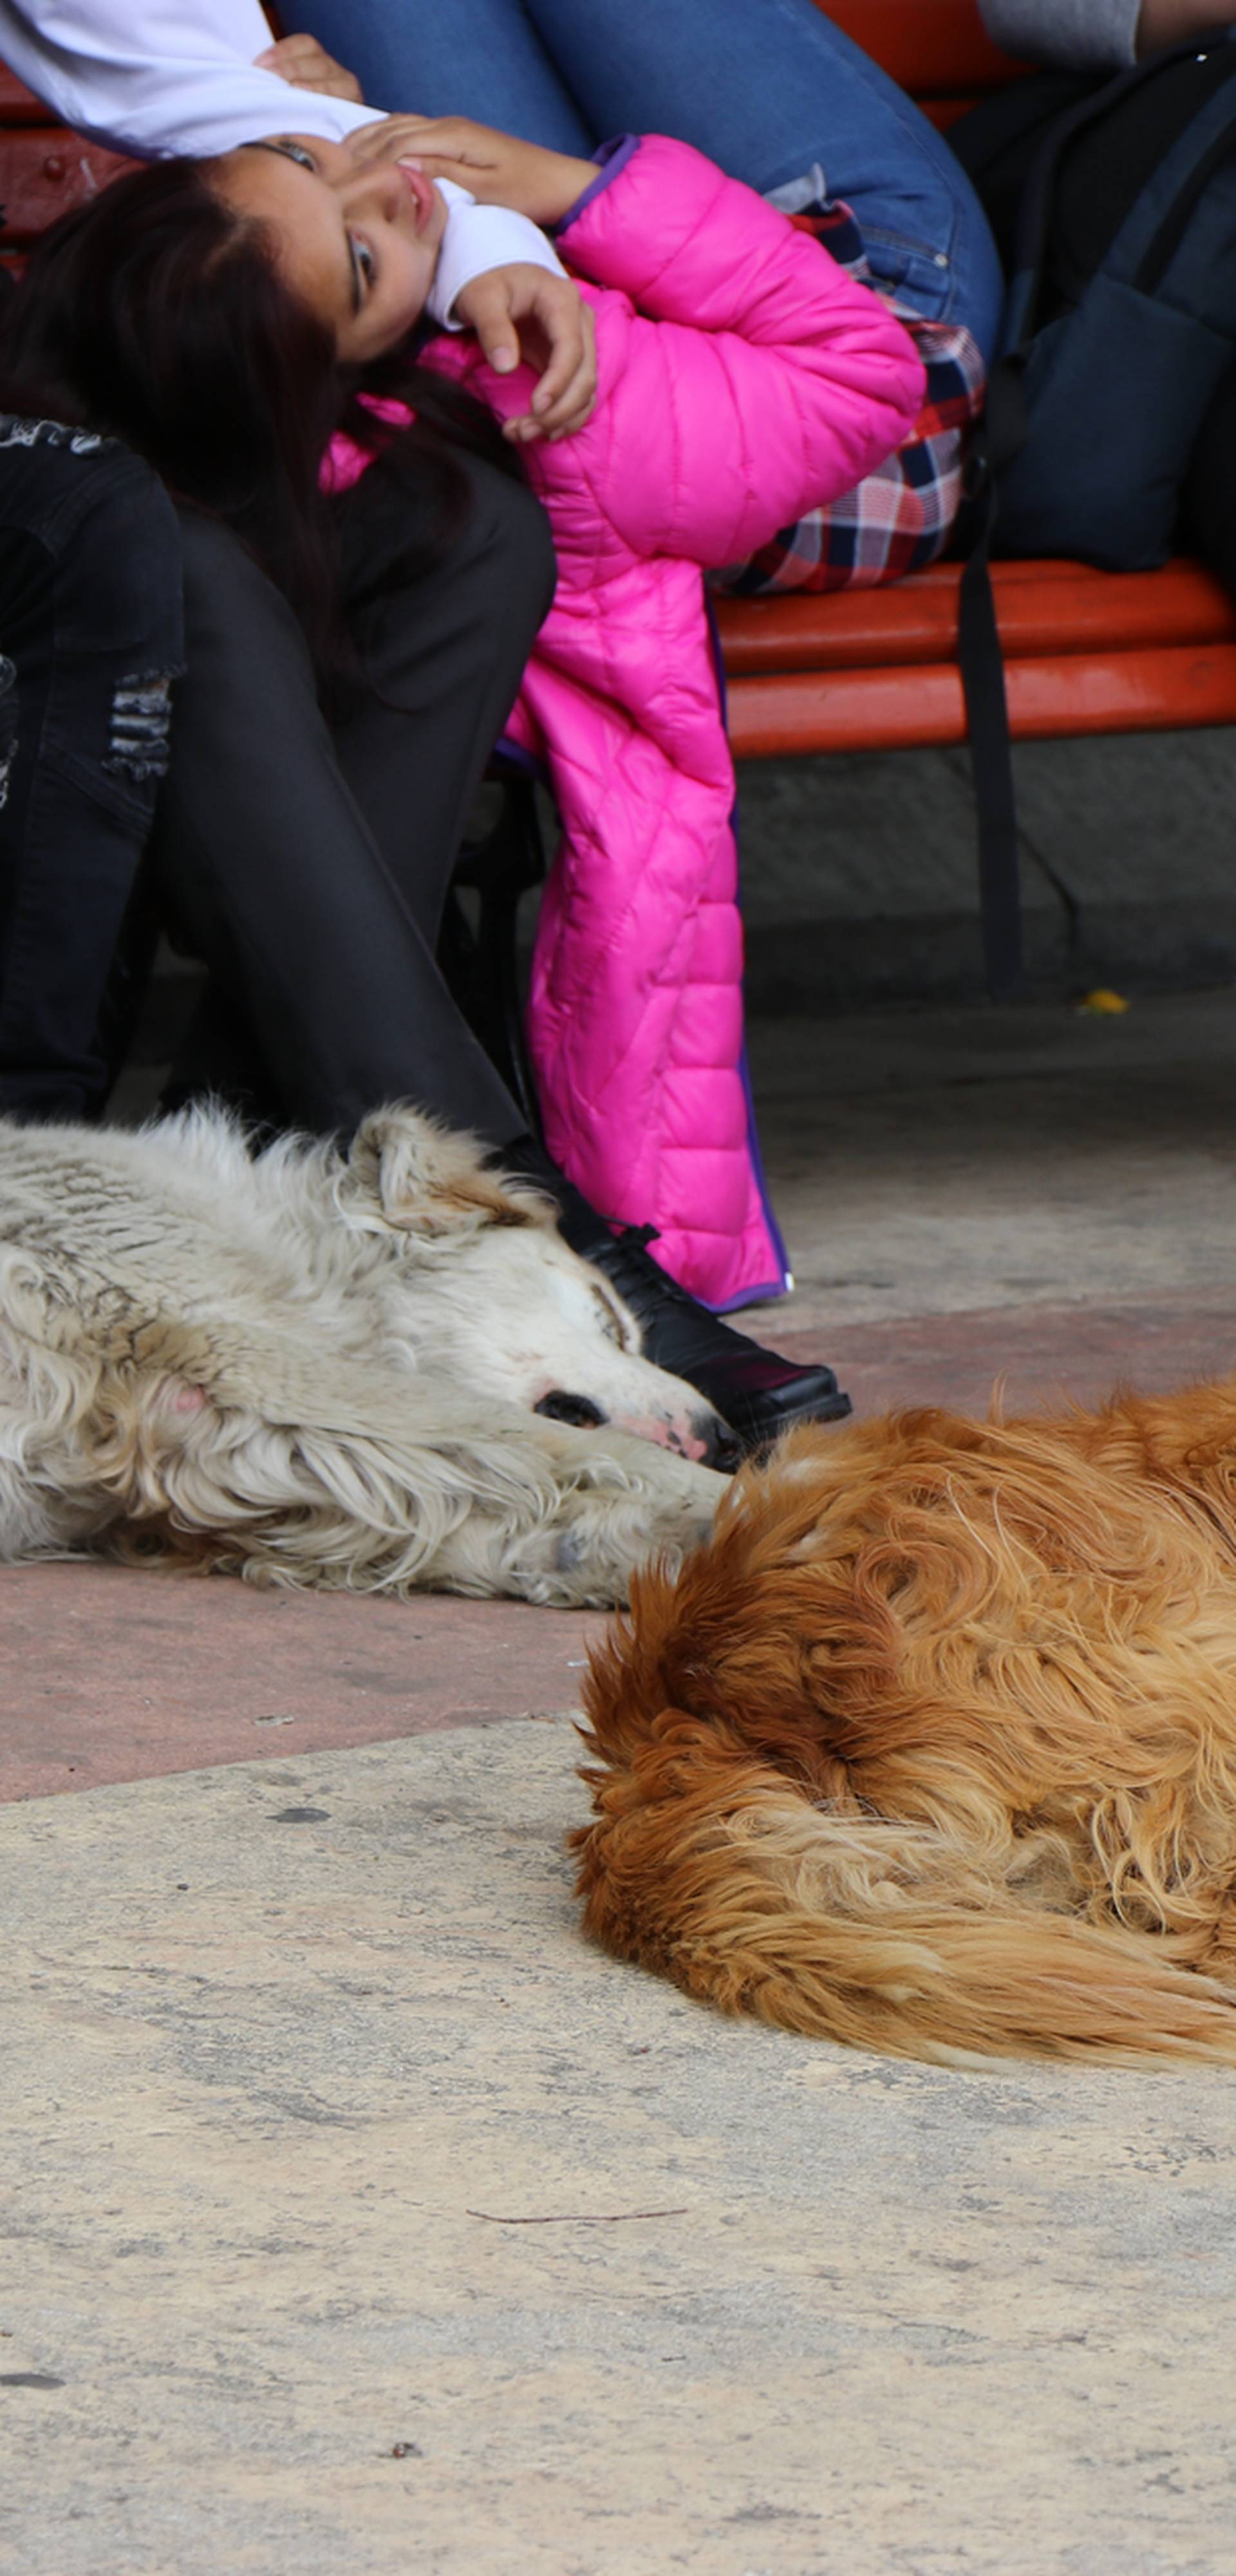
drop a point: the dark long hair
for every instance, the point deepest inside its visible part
(158, 315)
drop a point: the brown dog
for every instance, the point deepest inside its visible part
(932, 1747)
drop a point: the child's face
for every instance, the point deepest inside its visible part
(359, 246)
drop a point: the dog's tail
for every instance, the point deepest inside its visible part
(709, 1867)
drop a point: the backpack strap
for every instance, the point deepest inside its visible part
(983, 689)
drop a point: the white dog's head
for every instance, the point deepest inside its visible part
(526, 1319)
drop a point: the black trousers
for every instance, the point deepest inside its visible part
(307, 871)
(90, 635)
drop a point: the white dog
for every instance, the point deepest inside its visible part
(362, 1370)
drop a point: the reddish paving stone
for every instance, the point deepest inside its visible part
(1039, 1355)
(116, 1675)
(112, 1674)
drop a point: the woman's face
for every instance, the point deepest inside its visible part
(359, 246)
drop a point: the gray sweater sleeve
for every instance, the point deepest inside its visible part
(1081, 35)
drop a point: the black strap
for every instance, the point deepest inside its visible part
(983, 688)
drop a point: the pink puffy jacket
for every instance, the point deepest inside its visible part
(742, 378)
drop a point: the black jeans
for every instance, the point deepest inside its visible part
(90, 640)
(309, 870)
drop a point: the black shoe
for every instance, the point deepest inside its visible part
(758, 1393)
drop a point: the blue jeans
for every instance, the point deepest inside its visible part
(766, 88)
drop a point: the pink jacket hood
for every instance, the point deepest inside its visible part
(743, 379)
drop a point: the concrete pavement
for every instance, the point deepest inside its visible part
(363, 2219)
(358, 2216)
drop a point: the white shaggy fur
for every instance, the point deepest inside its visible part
(318, 1368)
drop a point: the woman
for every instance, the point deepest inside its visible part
(223, 320)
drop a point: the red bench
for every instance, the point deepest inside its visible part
(44, 169)
(1087, 652)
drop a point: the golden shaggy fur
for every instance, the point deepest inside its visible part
(932, 1747)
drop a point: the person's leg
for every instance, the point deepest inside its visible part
(442, 662)
(768, 88)
(90, 632)
(317, 918)
(419, 688)
(479, 58)
(315, 936)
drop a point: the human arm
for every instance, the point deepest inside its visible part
(767, 383)
(1169, 22)
(155, 77)
(1098, 35)
(755, 380)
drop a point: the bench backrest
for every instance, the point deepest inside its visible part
(938, 50)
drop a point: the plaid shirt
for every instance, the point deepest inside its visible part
(899, 518)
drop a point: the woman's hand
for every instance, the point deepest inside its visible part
(496, 168)
(301, 61)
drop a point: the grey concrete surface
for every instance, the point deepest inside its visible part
(359, 2218)
(952, 1160)
(859, 874)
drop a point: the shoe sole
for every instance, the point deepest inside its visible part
(836, 1408)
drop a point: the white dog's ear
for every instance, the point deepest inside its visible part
(436, 1182)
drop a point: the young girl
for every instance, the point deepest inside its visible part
(739, 373)
(742, 374)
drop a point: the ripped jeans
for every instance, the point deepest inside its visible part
(90, 642)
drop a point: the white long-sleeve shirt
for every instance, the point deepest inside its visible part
(154, 77)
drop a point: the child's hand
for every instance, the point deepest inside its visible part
(522, 312)
(496, 168)
(301, 61)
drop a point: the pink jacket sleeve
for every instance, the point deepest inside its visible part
(754, 381)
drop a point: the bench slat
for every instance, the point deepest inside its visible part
(44, 171)
(933, 48)
(18, 105)
(1054, 608)
(1050, 698)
